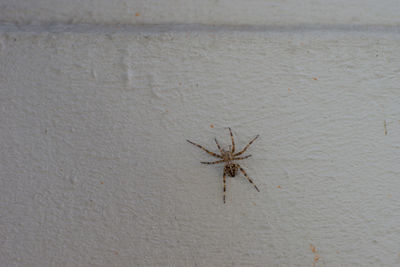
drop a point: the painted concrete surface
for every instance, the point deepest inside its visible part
(210, 12)
(96, 171)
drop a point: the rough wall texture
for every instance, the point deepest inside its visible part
(211, 12)
(95, 169)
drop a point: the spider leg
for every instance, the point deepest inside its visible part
(224, 177)
(212, 162)
(248, 178)
(246, 147)
(233, 142)
(209, 152)
(219, 147)
(240, 158)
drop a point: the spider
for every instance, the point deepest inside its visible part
(228, 157)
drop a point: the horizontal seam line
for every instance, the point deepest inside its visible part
(165, 28)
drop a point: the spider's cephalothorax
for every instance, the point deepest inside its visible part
(228, 157)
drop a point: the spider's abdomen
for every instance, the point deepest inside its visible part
(231, 170)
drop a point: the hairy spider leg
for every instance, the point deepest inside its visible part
(240, 158)
(209, 152)
(219, 147)
(246, 147)
(248, 178)
(233, 142)
(224, 177)
(213, 162)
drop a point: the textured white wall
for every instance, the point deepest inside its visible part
(214, 12)
(95, 169)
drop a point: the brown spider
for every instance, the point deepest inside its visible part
(229, 157)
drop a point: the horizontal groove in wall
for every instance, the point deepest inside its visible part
(165, 28)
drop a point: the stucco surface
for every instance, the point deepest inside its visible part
(210, 12)
(95, 169)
